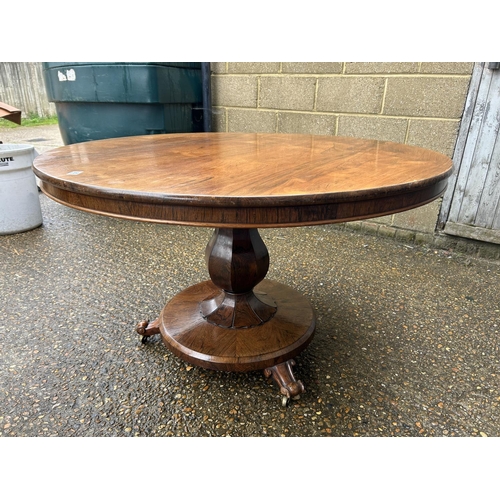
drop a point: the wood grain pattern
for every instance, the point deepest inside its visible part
(185, 332)
(237, 261)
(242, 180)
(471, 205)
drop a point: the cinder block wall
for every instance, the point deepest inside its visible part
(414, 103)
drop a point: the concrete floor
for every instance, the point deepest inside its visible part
(407, 339)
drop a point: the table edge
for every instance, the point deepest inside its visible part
(248, 217)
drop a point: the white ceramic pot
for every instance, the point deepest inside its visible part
(19, 199)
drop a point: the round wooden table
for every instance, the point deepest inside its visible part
(237, 183)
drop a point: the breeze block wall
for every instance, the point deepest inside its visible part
(414, 103)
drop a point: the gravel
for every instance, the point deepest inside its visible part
(406, 341)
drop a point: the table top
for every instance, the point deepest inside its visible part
(242, 180)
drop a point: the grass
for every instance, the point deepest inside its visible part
(29, 121)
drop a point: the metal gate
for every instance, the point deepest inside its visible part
(471, 205)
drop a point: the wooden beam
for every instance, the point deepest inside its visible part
(10, 113)
(472, 232)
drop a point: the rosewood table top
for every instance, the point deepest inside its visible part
(242, 180)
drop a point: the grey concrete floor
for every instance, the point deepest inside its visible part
(407, 338)
(43, 137)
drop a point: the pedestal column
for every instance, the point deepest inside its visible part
(238, 321)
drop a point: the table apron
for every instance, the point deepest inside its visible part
(240, 217)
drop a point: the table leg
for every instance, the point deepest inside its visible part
(238, 321)
(282, 374)
(147, 329)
